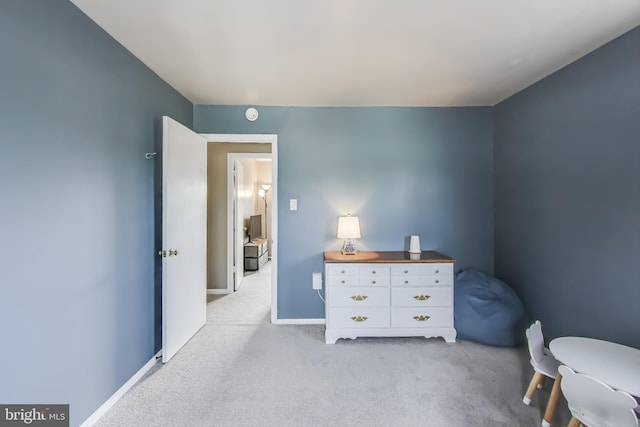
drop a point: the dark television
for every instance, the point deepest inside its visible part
(255, 227)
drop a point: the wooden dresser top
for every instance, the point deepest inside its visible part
(387, 257)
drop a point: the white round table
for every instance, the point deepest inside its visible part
(614, 364)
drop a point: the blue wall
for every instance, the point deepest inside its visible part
(403, 171)
(567, 190)
(77, 113)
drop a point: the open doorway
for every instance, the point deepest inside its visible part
(229, 215)
(250, 180)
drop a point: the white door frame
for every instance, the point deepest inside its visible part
(254, 139)
(235, 181)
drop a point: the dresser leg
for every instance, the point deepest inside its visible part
(450, 337)
(330, 338)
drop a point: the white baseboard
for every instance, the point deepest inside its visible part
(300, 322)
(93, 418)
(218, 292)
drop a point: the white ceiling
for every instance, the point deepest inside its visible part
(359, 52)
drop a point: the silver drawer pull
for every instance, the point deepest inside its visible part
(359, 297)
(373, 272)
(342, 272)
(422, 297)
(406, 282)
(437, 271)
(437, 281)
(342, 282)
(373, 282)
(406, 272)
(359, 318)
(421, 318)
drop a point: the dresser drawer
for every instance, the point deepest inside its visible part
(342, 281)
(366, 317)
(341, 270)
(422, 269)
(422, 280)
(374, 281)
(434, 317)
(421, 297)
(361, 296)
(373, 270)
(374, 275)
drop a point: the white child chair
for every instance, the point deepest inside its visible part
(543, 362)
(595, 404)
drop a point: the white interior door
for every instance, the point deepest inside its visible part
(184, 230)
(238, 230)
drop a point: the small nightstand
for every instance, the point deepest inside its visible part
(256, 254)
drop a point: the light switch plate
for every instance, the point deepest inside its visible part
(293, 204)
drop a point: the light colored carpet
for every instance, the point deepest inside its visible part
(240, 370)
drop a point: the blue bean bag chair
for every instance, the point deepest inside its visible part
(487, 310)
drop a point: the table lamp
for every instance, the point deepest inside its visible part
(348, 228)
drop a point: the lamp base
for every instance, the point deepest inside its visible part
(349, 253)
(348, 248)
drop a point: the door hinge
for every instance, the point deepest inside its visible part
(172, 252)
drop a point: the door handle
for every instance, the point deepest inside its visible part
(173, 252)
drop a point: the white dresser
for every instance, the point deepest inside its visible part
(388, 294)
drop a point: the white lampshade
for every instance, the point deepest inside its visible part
(348, 227)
